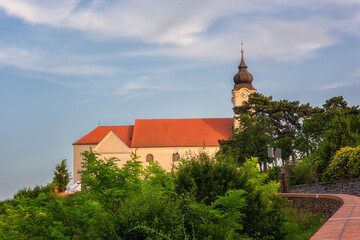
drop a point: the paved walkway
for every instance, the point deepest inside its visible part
(344, 224)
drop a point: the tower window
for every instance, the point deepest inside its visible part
(149, 158)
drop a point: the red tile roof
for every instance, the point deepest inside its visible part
(181, 132)
(96, 135)
(166, 132)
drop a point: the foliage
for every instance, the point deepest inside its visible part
(149, 214)
(300, 130)
(61, 176)
(303, 172)
(223, 219)
(285, 144)
(34, 192)
(226, 197)
(301, 224)
(284, 116)
(344, 165)
(311, 133)
(249, 140)
(106, 181)
(273, 173)
(206, 198)
(205, 179)
(340, 134)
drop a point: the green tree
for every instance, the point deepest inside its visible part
(337, 125)
(61, 176)
(283, 119)
(249, 140)
(337, 136)
(311, 134)
(106, 181)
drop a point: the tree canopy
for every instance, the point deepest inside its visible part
(300, 130)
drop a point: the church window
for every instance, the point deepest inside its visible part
(149, 158)
(175, 157)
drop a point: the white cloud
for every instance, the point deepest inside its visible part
(265, 38)
(205, 29)
(160, 21)
(154, 21)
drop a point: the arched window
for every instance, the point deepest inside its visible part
(149, 158)
(176, 157)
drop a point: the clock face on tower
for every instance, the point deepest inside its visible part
(244, 94)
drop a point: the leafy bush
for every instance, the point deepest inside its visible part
(206, 179)
(273, 173)
(303, 172)
(340, 134)
(34, 192)
(150, 214)
(344, 165)
(206, 198)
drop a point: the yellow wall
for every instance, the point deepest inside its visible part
(163, 155)
(78, 149)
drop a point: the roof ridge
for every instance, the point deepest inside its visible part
(181, 118)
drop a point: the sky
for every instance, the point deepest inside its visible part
(66, 66)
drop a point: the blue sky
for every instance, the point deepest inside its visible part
(66, 65)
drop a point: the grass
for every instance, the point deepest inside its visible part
(301, 224)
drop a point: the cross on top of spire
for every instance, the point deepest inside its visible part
(243, 76)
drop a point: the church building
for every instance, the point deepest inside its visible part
(165, 140)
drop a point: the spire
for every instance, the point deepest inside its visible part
(242, 63)
(243, 76)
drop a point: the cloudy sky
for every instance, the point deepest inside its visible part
(66, 65)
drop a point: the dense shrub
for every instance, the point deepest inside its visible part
(34, 192)
(273, 173)
(205, 199)
(303, 172)
(205, 179)
(344, 165)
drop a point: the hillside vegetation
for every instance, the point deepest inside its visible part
(206, 198)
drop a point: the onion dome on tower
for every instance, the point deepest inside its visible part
(243, 78)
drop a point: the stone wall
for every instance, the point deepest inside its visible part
(351, 187)
(319, 204)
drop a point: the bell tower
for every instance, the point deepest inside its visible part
(243, 85)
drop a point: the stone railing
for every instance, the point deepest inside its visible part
(351, 187)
